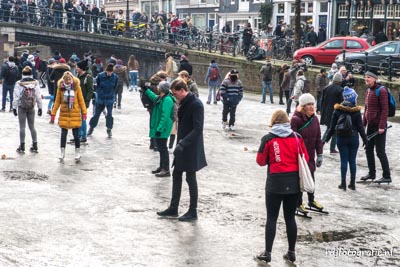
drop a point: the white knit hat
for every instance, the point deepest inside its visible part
(306, 99)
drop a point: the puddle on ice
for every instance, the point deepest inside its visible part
(330, 236)
(24, 175)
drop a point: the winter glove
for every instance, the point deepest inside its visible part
(158, 134)
(53, 117)
(84, 117)
(365, 144)
(319, 160)
(178, 149)
(15, 112)
(39, 112)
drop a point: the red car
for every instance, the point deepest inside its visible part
(326, 52)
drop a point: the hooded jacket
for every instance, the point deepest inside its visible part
(69, 118)
(122, 74)
(355, 112)
(29, 82)
(207, 78)
(162, 116)
(279, 150)
(57, 73)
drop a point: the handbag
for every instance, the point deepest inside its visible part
(306, 180)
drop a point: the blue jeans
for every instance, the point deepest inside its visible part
(348, 147)
(82, 129)
(264, 89)
(133, 74)
(212, 93)
(109, 118)
(7, 88)
(51, 101)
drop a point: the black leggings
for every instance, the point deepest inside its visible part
(64, 133)
(273, 203)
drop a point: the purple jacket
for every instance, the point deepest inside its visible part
(311, 135)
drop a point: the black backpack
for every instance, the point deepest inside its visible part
(344, 126)
(11, 75)
(307, 86)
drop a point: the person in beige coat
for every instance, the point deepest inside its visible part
(169, 67)
(72, 106)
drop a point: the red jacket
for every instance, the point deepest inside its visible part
(376, 108)
(281, 155)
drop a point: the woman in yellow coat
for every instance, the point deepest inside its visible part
(70, 100)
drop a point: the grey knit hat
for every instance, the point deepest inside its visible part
(371, 74)
(305, 99)
(337, 78)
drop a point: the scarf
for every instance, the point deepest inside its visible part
(69, 95)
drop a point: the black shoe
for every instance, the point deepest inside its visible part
(368, 177)
(265, 256)
(90, 132)
(155, 149)
(83, 140)
(168, 213)
(72, 140)
(281, 103)
(342, 186)
(383, 180)
(352, 186)
(21, 148)
(290, 256)
(34, 148)
(188, 216)
(156, 170)
(163, 173)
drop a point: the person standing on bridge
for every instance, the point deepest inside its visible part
(107, 82)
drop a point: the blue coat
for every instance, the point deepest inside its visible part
(105, 89)
(207, 78)
(190, 135)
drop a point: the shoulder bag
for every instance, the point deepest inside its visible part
(306, 180)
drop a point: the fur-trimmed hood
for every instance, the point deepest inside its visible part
(347, 107)
(61, 66)
(28, 82)
(119, 69)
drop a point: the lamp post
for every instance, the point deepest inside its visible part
(127, 15)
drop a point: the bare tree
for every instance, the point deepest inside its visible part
(297, 25)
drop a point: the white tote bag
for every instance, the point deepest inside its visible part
(306, 180)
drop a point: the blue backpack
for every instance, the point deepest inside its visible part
(391, 100)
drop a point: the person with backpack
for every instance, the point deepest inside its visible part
(347, 123)
(267, 71)
(375, 119)
(26, 96)
(298, 87)
(69, 100)
(86, 82)
(10, 74)
(213, 78)
(306, 123)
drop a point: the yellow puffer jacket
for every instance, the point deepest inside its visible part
(69, 118)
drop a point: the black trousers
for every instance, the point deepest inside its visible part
(177, 188)
(378, 142)
(75, 132)
(273, 203)
(310, 195)
(231, 110)
(164, 154)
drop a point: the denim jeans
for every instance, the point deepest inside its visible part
(266, 84)
(379, 142)
(83, 129)
(133, 74)
(109, 118)
(348, 147)
(51, 101)
(10, 89)
(212, 93)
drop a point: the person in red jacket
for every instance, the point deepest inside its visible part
(279, 150)
(375, 119)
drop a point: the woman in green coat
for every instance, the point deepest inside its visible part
(162, 118)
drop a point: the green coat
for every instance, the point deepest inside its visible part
(162, 116)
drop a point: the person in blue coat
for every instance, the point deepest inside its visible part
(213, 79)
(189, 151)
(105, 95)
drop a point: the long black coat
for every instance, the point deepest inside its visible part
(331, 95)
(185, 65)
(190, 135)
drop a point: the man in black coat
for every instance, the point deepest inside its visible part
(189, 151)
(185, 65)
(331, 95)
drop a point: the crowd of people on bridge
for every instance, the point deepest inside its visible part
(171, 98)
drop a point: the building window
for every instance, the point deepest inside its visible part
(342, 11)
(397, 11)
(360, 11)
(323, 7)
(379, 11)
(390, 11)
(203, 1)
(310, 7)
(302, 7)
(199, 20)
(232, 2)
(281, 8)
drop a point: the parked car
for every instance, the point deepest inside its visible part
(325, 52)
(376, 57)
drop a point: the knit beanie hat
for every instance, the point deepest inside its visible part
(164, 87)
(337, 78)
(350, 95)
(62, 60)
(306, 99)
(82, 64)
(371, 74)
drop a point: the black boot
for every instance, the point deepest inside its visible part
(368, 177)
(342, 186)
(290, 256)
(352, 185)
(191, 215)
(171, 141)
(170, 212)
(265, 256)
(34, 148)
(163, 173)
(21, 148)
